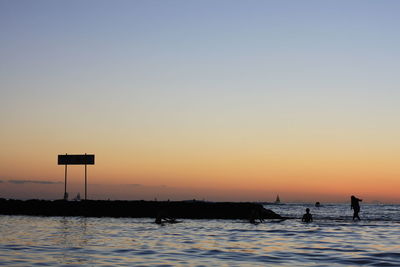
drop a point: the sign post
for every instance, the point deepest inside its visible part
(75, 160)
(85, 181)
(65, 182)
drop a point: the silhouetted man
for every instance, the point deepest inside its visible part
(355, 205)
(163, 217)
(307, 217)
(256, 214)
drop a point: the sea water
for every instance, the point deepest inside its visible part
(333, 239)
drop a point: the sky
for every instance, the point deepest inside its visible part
(215, 100)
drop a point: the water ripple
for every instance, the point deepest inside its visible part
(77, 241)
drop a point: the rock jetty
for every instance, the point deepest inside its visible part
(136, 209)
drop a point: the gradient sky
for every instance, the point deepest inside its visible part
(221, 100)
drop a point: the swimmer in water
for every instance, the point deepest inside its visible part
(307, 217)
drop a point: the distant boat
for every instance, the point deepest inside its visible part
(277, 201)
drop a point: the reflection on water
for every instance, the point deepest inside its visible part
(72, 233)
(123, 241)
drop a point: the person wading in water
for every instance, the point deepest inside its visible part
(307, 217)
(355, 205)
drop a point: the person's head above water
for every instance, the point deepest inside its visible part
(307, 210)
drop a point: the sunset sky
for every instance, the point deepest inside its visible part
(216, 100)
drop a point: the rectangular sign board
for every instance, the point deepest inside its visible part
(76, 159)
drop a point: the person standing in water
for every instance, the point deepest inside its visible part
(307, 217)
(355, 205)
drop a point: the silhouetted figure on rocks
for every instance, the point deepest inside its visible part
(307, 217)
(256, 214)
(355, 205)
(163, 217)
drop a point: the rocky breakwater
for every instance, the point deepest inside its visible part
(137, 209)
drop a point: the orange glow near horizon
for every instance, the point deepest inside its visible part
(273, 168)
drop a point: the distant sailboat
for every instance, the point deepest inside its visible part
(277, 201)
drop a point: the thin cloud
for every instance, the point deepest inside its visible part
(147, 186)
(32, 182)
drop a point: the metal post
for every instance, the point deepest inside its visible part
(65, 183)
(85, 182)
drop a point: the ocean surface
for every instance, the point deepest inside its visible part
(333, 239)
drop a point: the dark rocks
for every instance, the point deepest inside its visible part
(136, 209)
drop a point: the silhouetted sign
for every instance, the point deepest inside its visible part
(75, 159)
